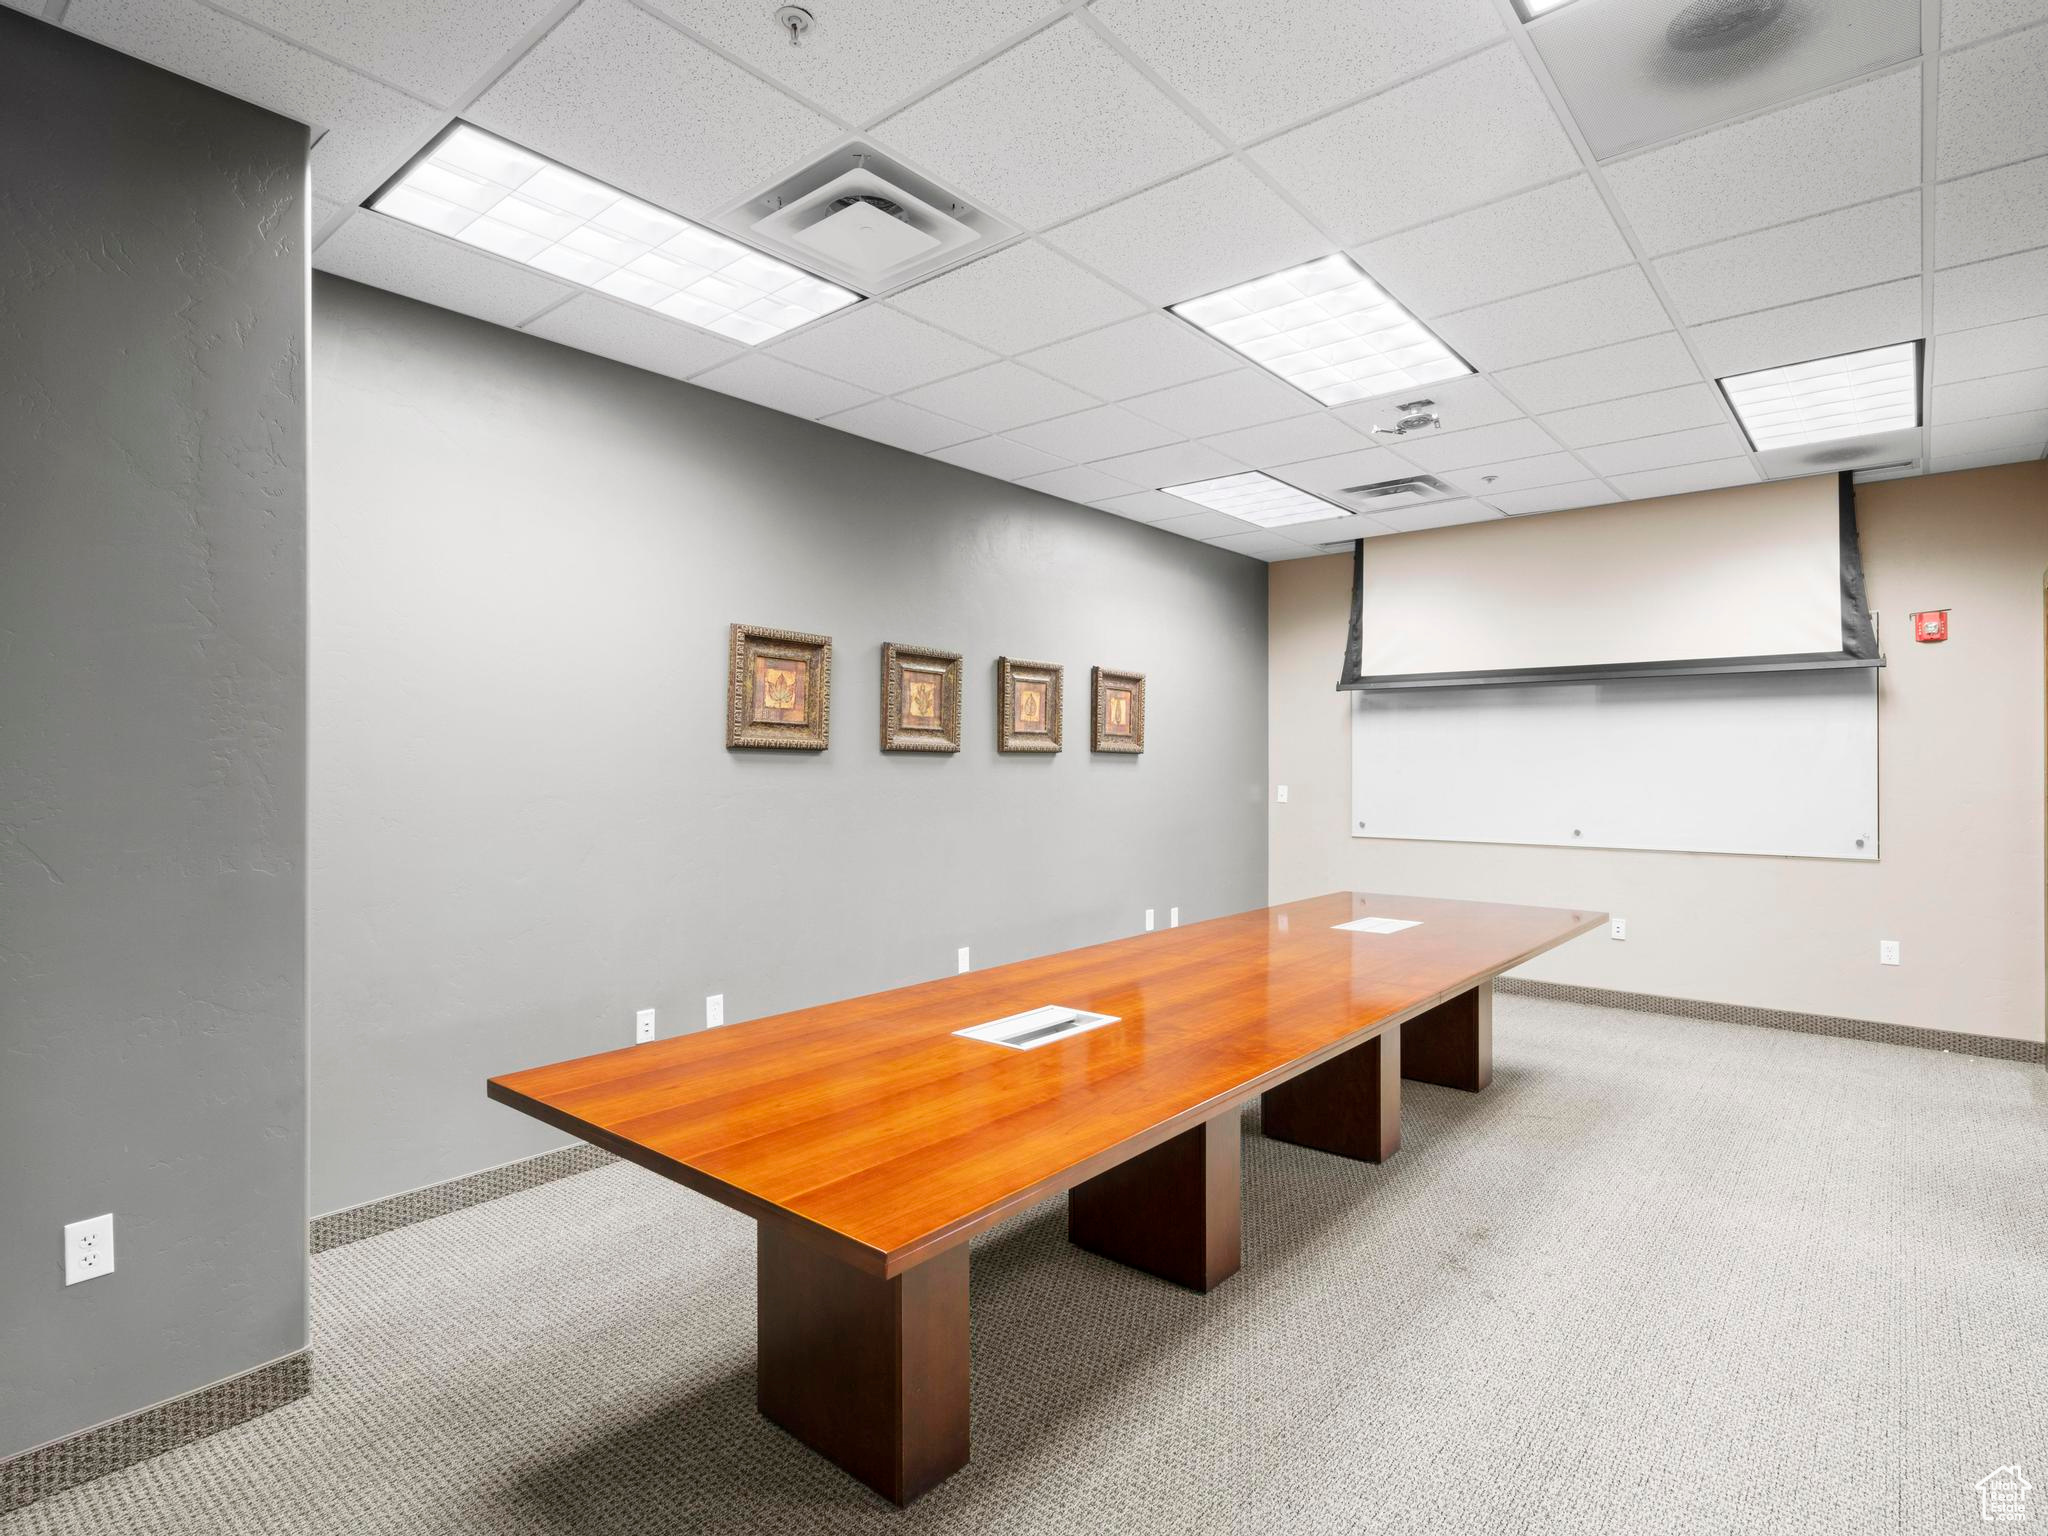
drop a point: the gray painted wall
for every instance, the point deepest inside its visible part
(525, 823)
(152, 731)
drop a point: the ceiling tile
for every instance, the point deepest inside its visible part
(1850, 248)
(1664, 410)
(2004, 395)
(2010, 288)
(1842, 322)
(438, 51)
(1204, 524)
(323, 210)
(1553, 498)
(1207, 230)
(900, 426)
(1145, 506)
(1079, 483)
(371, 128)
(32, 7)
(1518, 439)
(1024, 296)
(1590, 312)
(1602, 373)
(620, 95)
(1339, 528)
(1991, 104)
(1260, 545)
(2028, 429)
(1849, 146)
(1289, 441)
(1341, 471)
(1225, 403)
(1515, 475)
(1000, 457)
(385, 253)
(1693, 446)
(1532, 240)
(783, 386)
(1049, 129)
(875, 347)
(1134, 358)
(1100, 433)
(1251, 66)
(1970, 21)
(1442, 514)
(2012, 453)
(1685, 477)
(1467, 134)
(1462, 403)
(1991, 214)
(1175, 464)
(629, 334)
(858, 62)
(1992, 349)
(999, 397)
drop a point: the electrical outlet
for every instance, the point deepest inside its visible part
(89, 1249)
(1173, 917)
(1149, 923)
(1617, 928)
(714, 1010)
(1282, 795)
(643, 1026)
(964, 967)
(1887, 951)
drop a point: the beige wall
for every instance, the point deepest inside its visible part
(1960, 799)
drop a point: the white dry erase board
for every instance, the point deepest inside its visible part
(1765, 763)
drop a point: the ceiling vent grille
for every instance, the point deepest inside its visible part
(861, 218)
(1411, 491)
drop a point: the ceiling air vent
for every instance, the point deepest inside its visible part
(1412, 491)
(862, 219)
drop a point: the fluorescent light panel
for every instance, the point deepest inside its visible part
(1328, 329)
(498, 197)
(1831, 397)
(1258, 499)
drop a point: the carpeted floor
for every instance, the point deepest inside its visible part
(1664, 1275)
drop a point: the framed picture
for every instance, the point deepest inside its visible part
(1119, 711)
(779, 691)
(1027, 706)
(920, 699)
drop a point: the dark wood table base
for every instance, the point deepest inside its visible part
(1452, 1044)
(1173, 1212)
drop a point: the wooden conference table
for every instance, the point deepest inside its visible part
(870, 1141)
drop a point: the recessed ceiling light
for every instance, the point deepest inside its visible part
(1326, 328)
(1831, 397)
(1258, 499)
(494, 195)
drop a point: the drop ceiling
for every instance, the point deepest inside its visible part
(1600, 233)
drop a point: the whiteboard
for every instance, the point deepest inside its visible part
(1764, 762)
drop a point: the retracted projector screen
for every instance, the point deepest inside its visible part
(1751, 579)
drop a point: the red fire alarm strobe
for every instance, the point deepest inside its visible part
(1931, 626)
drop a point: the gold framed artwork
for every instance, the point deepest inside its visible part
(920, 699)
(1027, 706)
(778, 692)
(1118, 711)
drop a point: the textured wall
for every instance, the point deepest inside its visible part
(152, 731)
(1959, 799)
(525, 823)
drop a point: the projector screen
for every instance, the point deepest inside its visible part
(1736, 579)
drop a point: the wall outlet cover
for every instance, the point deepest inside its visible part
(1281, 796)
(714, 1010)
(643, 1026)
(1173, 917)
(89, 1248)
(1617, 928)
(964, 966)
(1150, 922)
(1887, 951)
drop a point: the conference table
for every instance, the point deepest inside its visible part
(870, 1139)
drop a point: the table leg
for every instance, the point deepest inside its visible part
(1452, 1044)
(1350, 1105)
(868, 1372)
(1172, 1212)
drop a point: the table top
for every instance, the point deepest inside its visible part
(870, 1128)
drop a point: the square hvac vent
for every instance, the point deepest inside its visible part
(1639, 72)
(1410, 491)
(863, 219)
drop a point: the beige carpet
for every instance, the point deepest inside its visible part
(1665, 1275)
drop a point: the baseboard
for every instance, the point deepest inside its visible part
(395, 1211)
(1777, 1018)
(50, 1469)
